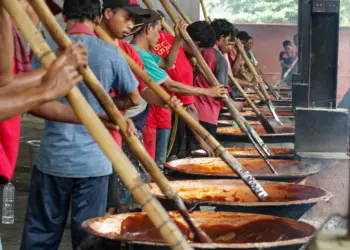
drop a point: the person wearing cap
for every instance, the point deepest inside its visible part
(71, 170)
(114, 14)
(145, 40)
(21, 93)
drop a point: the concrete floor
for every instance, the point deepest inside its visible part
(11, 234)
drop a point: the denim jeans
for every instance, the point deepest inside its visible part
(163, 136)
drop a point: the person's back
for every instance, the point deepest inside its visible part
(62, 142)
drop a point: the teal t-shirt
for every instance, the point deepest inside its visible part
(151, 61)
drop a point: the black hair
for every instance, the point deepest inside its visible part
(145, 26)
(203, 33)
(243, 36)
(81, 9)
(222, 27)
(287, 43)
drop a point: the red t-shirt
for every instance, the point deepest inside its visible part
(208, 107)
(182, 71)
(9, 144)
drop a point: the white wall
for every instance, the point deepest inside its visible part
(191, 8)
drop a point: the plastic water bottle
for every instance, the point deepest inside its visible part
(8, 204)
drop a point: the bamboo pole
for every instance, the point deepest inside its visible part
(165, 24)
(117, 118)
(171, 234)
(212, 142)
(169, 30)
(259, 80)
(244, 126)
(181, 12)
(227, 101)
(206, 17)
(267, 126)
(265, 123)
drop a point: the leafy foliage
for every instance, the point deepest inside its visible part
(264, 11)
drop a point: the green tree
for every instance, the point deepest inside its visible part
(265, 11)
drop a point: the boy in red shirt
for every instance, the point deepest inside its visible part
(183, 73)
(204, 37)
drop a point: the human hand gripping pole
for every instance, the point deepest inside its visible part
(141, 192)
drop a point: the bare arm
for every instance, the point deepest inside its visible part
(19, 103)
(182, 89)
(237, 64)
(169, 61)
(59, 112)
(56, 111)
(24, 81)
(152, 98)
(126, 102)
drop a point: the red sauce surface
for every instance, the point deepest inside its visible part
(220, 229)
(259, 129)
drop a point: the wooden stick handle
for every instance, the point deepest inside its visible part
(244, 94)
(122, 164)
(181, 12)
(165, 24)
(285, 75)
(163, 183)
(252, 69)
(206, 17)
(229, 159)
(212, 142)
(211, 78)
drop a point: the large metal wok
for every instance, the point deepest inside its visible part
(227, 135)
(277, 153)
(258, 128)
(215, 168)
(284, 114)
(273, 122)
(285, 199)
(228, 230)
(283, 102)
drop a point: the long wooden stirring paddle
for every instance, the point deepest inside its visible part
(264, 122)
(181, 12)
(232, 162)
(205, 13)
(158, 215)
(259, 80)
(246, 128)
(116, 117)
